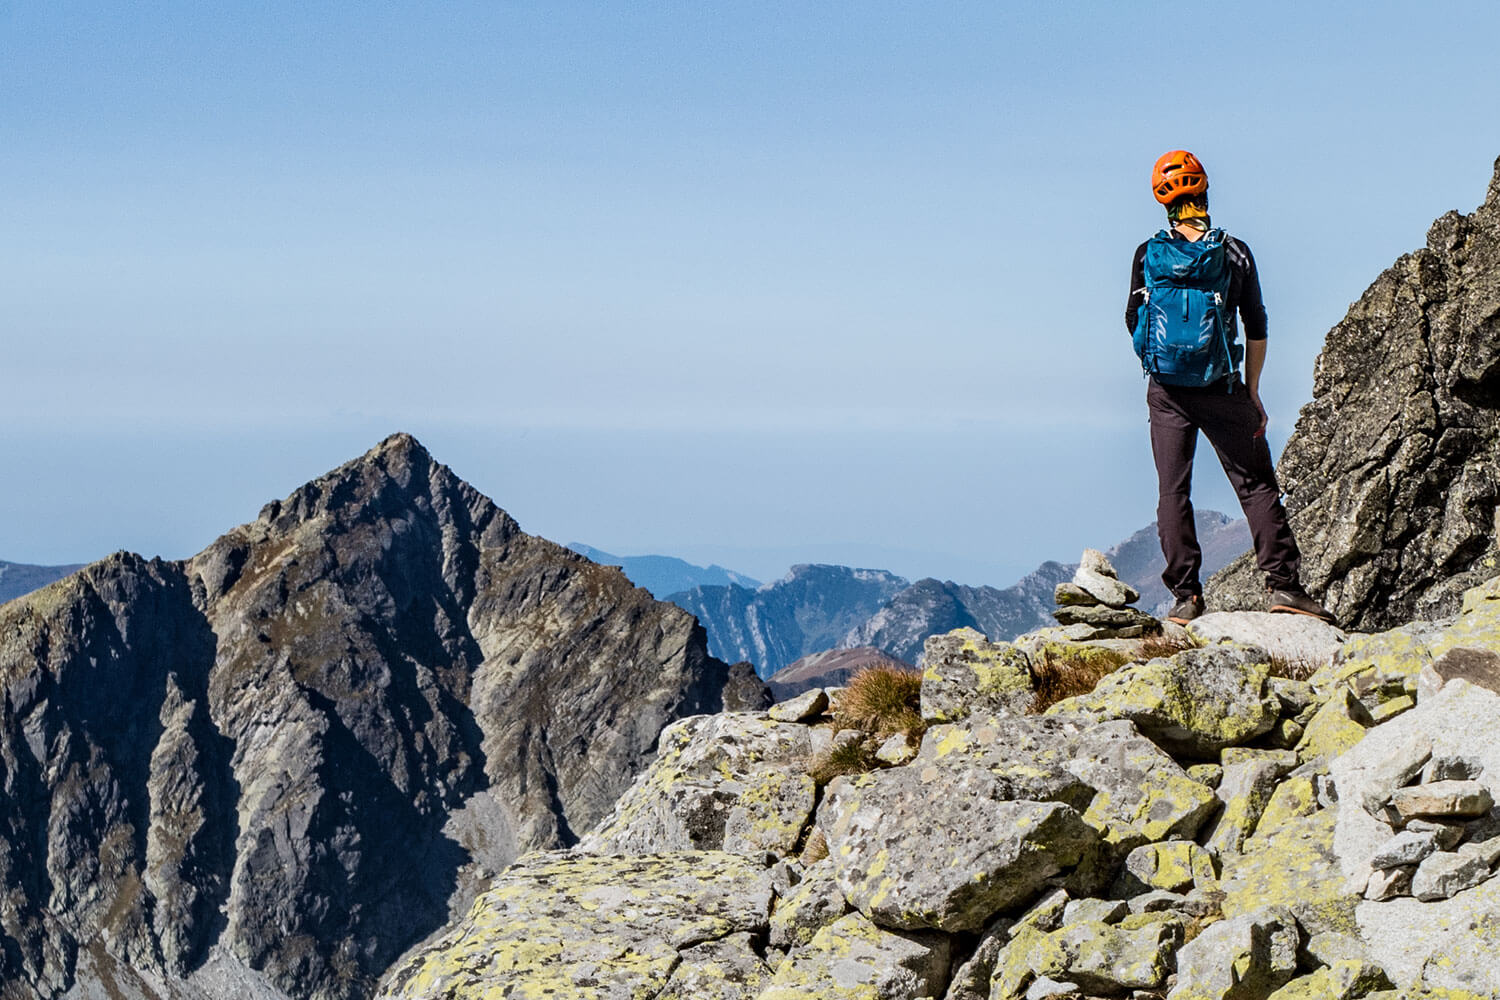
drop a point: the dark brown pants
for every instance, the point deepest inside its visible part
(1229, 420)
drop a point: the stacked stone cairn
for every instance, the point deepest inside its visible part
(1096, 603)
(1193, 828)
(1443, 839)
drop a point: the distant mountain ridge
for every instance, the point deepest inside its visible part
(810, 609)
(665, 575)
(18, 579)
(795, 617)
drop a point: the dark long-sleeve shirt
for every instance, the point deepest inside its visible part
(1244, 289)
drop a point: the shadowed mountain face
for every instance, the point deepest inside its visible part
(1391, 475)
(277, 754)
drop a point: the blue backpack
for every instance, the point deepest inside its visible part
(1183, 334)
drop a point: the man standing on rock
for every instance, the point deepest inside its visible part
(1187, 284)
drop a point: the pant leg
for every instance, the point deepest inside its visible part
(1174, 437)
(1230, 421)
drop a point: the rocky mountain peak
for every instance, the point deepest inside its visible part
(1391, 480)
(288, 756)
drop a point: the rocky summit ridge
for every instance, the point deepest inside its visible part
(268, 770)
(1392, 483)
(1259, 807)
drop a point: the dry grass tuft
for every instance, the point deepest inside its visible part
(847, 757)
(1161, 646)
(1293, 668)
(881, 700)
(1060, 673)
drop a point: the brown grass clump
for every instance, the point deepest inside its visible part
(846, 757)
(1059, 673)
(1160, 646)
(1293, 668)
(881, 700)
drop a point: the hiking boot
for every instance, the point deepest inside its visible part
(1295, 602)
(1186, 609)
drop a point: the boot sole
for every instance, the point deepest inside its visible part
(1181, 621)
(1287, 610)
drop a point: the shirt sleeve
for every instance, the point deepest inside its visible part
(1137, 295)
(1251, 306)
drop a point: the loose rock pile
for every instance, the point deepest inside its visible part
(1193, 829)
(1096, 603)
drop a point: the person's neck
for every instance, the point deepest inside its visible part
(1188, 231)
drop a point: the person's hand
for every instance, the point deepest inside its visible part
(1264, 417)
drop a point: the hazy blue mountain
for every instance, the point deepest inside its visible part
(808, 610)
(931, 607)
(19, 578)
(796, 617)
(665, 575)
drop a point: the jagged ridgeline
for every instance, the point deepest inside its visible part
(269, 769)
(1391, 476)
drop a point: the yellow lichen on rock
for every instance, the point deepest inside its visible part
(1293, 866)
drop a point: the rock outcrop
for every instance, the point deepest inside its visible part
(1391, 479)
(1194, 828)
(284, 760)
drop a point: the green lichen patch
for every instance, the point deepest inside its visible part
(593, 928)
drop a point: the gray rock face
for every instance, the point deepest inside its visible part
(1243, 958)
(965, 673)
(1390, 476)
(257, 752)
(997, 854)
(1197, 701)
(556, 924)
(707, 768)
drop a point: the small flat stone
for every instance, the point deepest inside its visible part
(1487, 851)
(1438, 799)
(1102, 911)
(1097, 562)
(1068, 594)
(1450, 768)
(1042, 988)
(1405, 848)
(1445, 835)
(805, 706)
(1445, 875)
(896, 750)
(1388, 883)
(1106, 589)
(1101, 616)
(1379, 780)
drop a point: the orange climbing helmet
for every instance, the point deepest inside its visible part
(1176, 174)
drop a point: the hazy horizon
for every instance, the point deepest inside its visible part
(666, 278)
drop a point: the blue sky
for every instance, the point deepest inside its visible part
(753, 283)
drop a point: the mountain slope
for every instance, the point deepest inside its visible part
(666, 575)
(278, 753)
